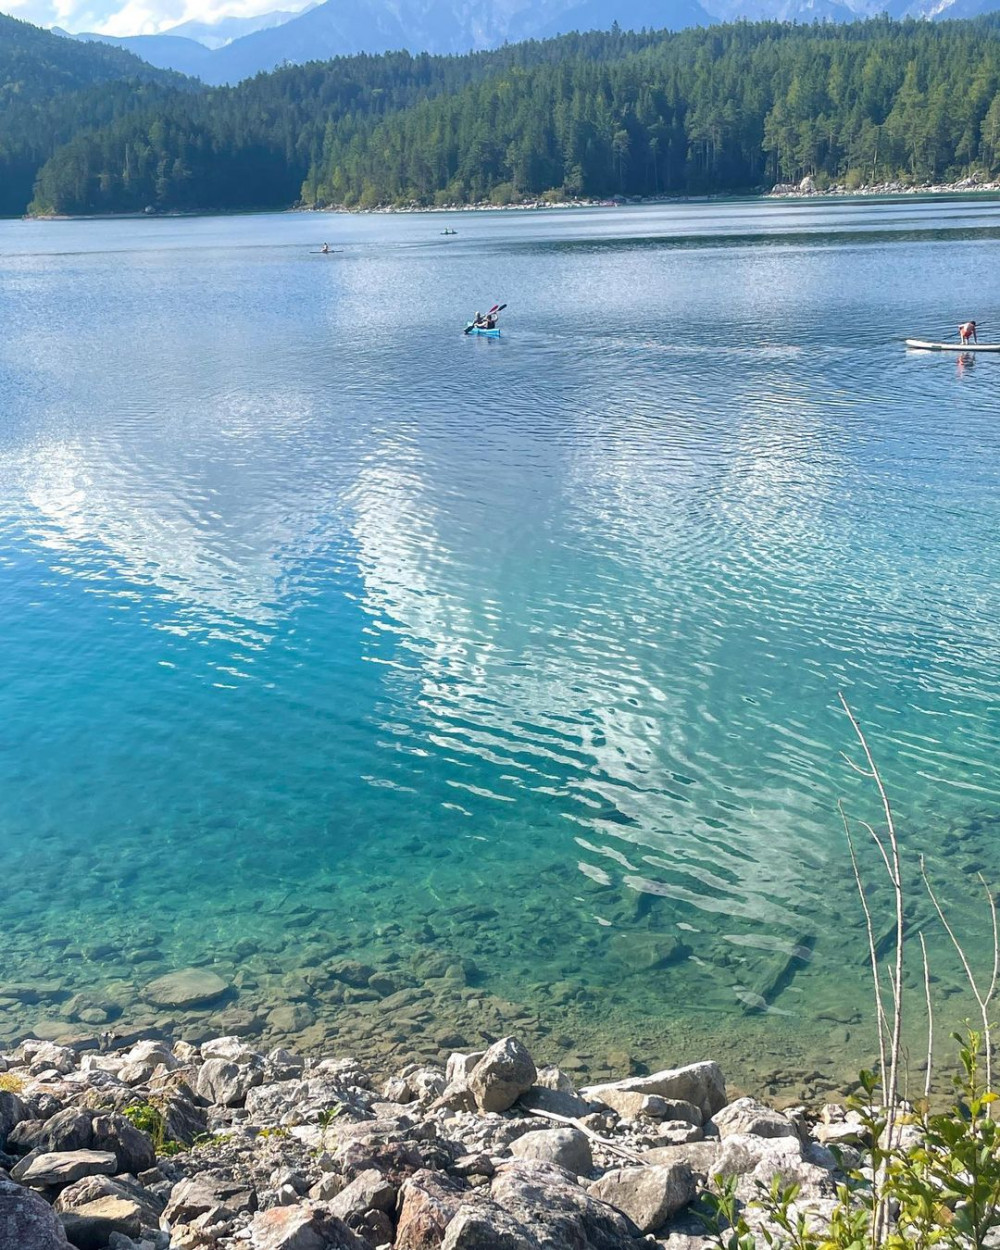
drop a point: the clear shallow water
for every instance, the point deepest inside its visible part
(508, 669)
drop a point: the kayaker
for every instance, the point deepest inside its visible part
(967, 332)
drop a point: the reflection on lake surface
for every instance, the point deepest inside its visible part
(340, 644)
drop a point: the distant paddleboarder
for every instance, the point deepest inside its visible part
(967, 332)
(324, 249)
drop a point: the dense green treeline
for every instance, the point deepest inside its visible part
(728, 108)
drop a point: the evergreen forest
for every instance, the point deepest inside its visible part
(727, 109)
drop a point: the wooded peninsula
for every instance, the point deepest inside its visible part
(85, 128)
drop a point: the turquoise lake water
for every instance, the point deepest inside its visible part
(505, 669)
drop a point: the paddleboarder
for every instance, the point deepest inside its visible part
(324, 250)
(967, 332)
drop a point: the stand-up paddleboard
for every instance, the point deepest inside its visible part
(920, 345)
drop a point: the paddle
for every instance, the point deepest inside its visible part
(493, 312)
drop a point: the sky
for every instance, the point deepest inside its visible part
(137, 17)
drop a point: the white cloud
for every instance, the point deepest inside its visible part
(137, 17)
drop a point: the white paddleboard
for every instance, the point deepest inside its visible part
(920, 345)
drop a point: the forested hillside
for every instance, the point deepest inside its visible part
(726, 109)
(49, 86)
(732, 108)
(252, 146)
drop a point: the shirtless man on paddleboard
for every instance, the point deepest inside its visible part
(967, 331)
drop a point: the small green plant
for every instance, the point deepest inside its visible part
(144, 1116)
(942, 1185)
(11, 1083)
(278, 1134)
(327, 1117)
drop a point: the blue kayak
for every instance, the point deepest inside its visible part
(474, 329)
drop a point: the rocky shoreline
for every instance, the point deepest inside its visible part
(807, 189)
(159, 1146)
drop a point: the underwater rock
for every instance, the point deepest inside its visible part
(291, 1018)
(188, 987)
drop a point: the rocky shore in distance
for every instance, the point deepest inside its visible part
(807, 188)
(160, 1146)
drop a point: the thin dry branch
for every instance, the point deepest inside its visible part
(883, 1024)
(930, 1017)
(982, 1000)
(613, 1147)
(890, 1078)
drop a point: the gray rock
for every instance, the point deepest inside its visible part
(566, 1147)
(747, 1115)
(27, 1222)
(152, 1052)
(12, 1112)
(551, 1077)
(555, 1101)
(699, 1083)
(69, 1129)
(194, 1197)
(296, 1102)
(64, 1168)
(182, 1120)
(283, 1065)
(225, 1083)
(505, 1072)
(428, 1201)
(700, 1157)
(188, 987)
(91, 1226)
(649, 1196)
(48, 1057)
(302, 1228)
(633, 1106)
(742, 1153)
(842, 1134)
(484, 1226)
(369, 1191)
(460, 1067)
(131, 1146)
(679, 1132)
(92, 1188)
(556, 1212)
(232, 1049)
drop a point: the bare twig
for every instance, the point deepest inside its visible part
(930, 1017)
(983, 1000)
(883, 1026)
(613, 1147)
(889, 850)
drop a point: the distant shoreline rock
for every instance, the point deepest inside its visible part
(159, 1147)
(807, 189)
